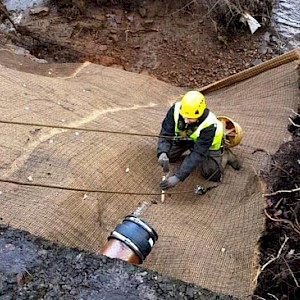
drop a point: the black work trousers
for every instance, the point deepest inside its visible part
(210, 167)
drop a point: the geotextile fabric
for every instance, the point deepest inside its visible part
(78, 154)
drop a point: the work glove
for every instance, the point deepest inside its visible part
(162, 158)
(169, 182)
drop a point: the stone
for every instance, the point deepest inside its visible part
(41, 10)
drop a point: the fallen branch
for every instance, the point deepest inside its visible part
(278, 203)
(292, 274)
(259, 298)
(4, 12)
(293, 123)
(282, 191)
(182, 8)
(296, 219)
(273, 296)
(142, 30)
(295, 112)
(284, 221)
(277, 256)
(271, 260)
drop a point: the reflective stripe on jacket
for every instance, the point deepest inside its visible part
(210, 120)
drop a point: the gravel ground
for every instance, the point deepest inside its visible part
(34, 268)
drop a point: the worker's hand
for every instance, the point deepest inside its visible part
(169, 182)
(163, 158)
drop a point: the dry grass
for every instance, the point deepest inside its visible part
(224, 13)
(227, 13)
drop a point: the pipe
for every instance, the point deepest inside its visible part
(132, 240)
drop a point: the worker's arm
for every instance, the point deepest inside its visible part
(198, 153)
(167, 129)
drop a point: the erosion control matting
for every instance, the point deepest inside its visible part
(73, 186)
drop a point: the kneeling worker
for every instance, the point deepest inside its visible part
(197, 131)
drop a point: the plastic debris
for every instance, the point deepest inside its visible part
(252, 22)
(130, 18)
(290, 254)
(127, 170)
(29, 178)
(42, 11)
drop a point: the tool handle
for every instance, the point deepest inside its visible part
(166, 165)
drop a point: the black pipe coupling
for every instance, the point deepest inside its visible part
(136, 234)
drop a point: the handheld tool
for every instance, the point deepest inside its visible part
(166, 170)
(200, 190)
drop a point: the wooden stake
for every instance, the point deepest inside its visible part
(163, 191)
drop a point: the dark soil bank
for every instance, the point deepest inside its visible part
(280, 243)
(33, 268)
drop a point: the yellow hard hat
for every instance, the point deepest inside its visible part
(192, 105)
(232, 131)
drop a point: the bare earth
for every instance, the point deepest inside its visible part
(176, 45)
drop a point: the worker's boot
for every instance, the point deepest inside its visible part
(231, 159)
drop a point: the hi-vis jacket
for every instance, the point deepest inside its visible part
(206, 135)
